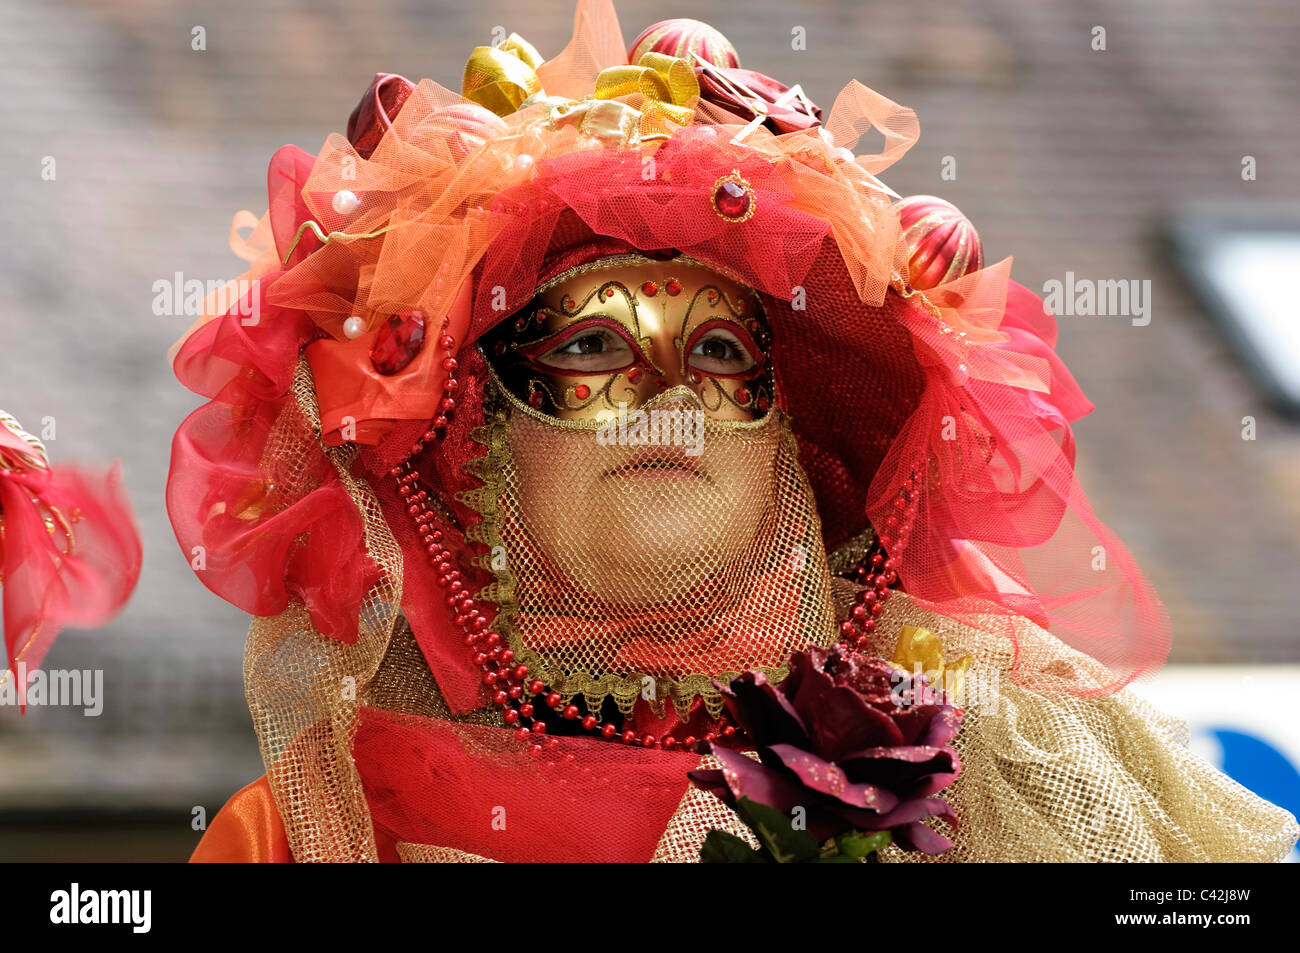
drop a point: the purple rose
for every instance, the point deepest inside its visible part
(853, 741)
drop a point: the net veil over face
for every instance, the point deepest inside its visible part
(651, 529)
(640, 569)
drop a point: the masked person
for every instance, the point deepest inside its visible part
(564, 400)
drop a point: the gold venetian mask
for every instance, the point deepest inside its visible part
(622, 330)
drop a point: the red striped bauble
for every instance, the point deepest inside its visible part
(942, 244)
(682, 37)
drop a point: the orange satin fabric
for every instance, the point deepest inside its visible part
(248, 830)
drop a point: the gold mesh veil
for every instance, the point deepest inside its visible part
(650, 564)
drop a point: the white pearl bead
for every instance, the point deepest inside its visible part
(345, 202)
(524, 162)
(354, 327)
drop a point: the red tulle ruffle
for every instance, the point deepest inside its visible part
(69, 551)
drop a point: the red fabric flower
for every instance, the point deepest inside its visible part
(375, 112)
(748, 93)
(259, 509)
(854, 742)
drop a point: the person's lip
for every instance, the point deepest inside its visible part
(664, 463)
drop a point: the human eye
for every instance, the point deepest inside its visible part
(719, 351)
(589, 349)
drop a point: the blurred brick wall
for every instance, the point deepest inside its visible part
(1067, 158)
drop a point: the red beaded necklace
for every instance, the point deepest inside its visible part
(880, 571)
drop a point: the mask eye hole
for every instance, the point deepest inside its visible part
(723, 349)
(595, 346)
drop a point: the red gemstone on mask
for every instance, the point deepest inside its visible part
(634, 375)
(399, 341)
(535, 398)
(674, 287)
(742, 395)
(582, 392)
(731, 199)
(763, 404)
(649, 289)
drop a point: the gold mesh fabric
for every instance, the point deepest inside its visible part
(403, 683)
(432, 854)
(1056, 777)
(698, 813)
(302, 687)
(626, 581)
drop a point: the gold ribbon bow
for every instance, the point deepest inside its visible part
(920, 650)
(500, 78)
(667, 83)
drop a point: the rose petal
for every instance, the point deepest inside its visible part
(943, 727)
(914, 722)
(917, 836)
(904, 813)
(764, 711)
(838, 720)
(898, 766)
(905, 754)
(712, 781)
(933, 783)
(778, 789)
(745, 777)
(822, 824)
(872, 678)
(829, 779)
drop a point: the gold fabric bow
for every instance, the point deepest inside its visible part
(667, 83)
(500, 78)
(504, 77)
(920, 650)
